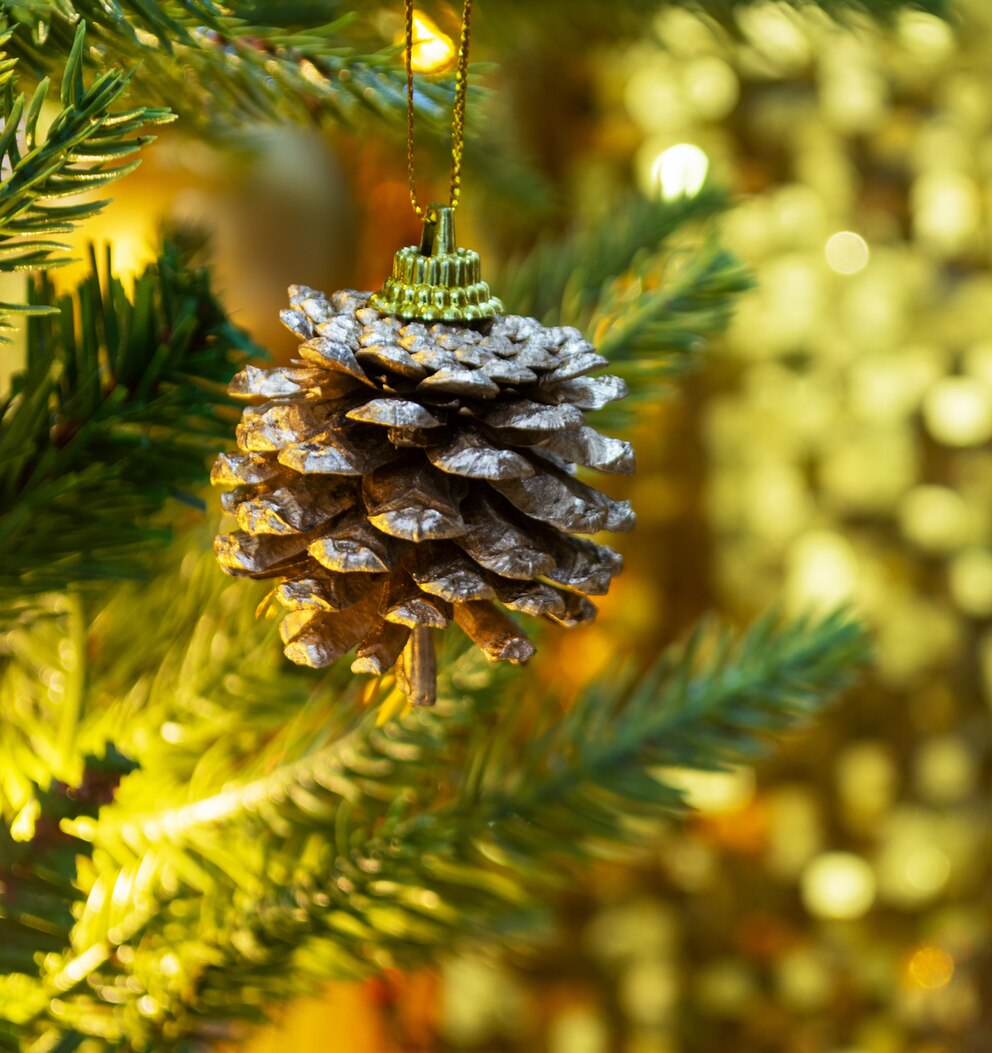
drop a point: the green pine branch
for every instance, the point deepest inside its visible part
(645, 292)
(86, 145)
(225, 68)
(115, 412)
(566, 277)
(656, 326)
(333, 847)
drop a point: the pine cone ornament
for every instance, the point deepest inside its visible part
(403, 474)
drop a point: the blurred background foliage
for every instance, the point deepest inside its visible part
(835, 446)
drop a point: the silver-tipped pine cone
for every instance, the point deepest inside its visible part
(399, 475)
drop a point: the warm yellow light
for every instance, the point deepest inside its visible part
(889, 387)
(795, 831)
(778, 500)
(22, 828)
(911, 865)
(653, 98)
(970, 578)
(148, 1006)
(934, 517)
(947, 209)
(867, 778)
(838, 885)
(847, 252)
(80, 967)
(927, 36)
(681, 171)
(711, 87)
(171, 731)
(433, 51)
(978, 361)
(648, 992)
(578, 1029)
(130, 231)
(804, 979)
(931, 967)
(823, 570)
(945, 769)
(958, 411)
(725, 987)
(778, 33)
(927, 870)
(713, 792)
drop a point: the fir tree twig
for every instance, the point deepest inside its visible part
(328, 847)
(85, 146)
(643, 293)
(224, 68)
(114, 413)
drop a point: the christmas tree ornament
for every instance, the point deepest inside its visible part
(415, 464)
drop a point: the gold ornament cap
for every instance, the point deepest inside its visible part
(437, 282)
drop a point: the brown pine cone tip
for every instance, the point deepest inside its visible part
(399, 475)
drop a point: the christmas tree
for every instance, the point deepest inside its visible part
(194, 830)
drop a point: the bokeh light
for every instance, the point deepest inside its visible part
(958, 411)
(713, 792)
(681, 171)
(823, 570)
(931, 967)
(847, 252)
(838, 885)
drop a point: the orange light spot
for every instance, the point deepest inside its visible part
(931, 967)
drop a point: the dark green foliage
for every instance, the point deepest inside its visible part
(84, 147)
(38, 866)
(115, 411)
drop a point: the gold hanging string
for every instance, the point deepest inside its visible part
(457, 113)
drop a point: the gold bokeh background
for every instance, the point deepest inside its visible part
(834, 447)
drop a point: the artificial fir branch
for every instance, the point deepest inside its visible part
(567, 277)
(328, 848)
(223, 67)
(114, 412)
(655, 324)
(646, 296)
(85, 146)
(220, 66)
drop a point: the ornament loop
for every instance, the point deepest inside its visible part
(437, 281)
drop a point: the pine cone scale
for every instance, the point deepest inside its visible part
(469, 455)
(395, 413)
(338, 453)
(587, 447)
(353, 546)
